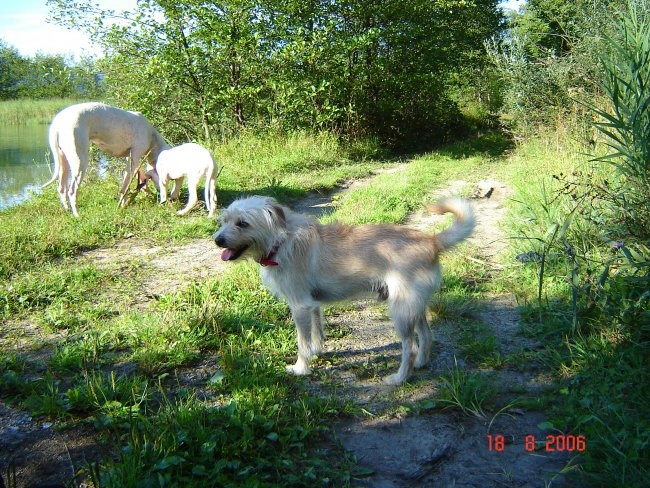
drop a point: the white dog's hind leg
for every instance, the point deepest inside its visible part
(178, 182)
(64, 176)
(162, 188)
(210, 188)
(133, 160)
(302, 316)
(210, 195)
(72, 192)
(77, 164)
(53, 138)
(191, 186)
(126, 178)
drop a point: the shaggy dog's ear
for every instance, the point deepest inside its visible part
(278, 214)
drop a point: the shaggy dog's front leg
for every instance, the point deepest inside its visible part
(307, 320)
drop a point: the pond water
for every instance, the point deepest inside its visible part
(24, 162)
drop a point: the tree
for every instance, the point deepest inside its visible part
(12, 68)
(352, 67)
(551, 56)
(46, 76)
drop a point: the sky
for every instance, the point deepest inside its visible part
(23, 26)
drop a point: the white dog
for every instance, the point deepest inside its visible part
(310, 264)
(115, 131)
(189, 160)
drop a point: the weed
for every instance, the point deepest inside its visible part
(77, 355)
(468, 391)
(479, 344)
(48, 398)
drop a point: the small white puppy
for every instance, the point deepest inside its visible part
(187, 160)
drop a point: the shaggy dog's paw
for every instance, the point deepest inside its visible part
(299, 370)
(421, 362)
(393, 380)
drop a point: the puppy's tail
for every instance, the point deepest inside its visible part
(464, 220)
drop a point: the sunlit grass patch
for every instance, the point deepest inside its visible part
(30, 111)
(287, 166)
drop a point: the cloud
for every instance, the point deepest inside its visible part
(30, 33)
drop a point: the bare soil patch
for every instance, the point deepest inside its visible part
(397, 446)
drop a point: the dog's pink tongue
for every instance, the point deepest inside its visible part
(226, 255)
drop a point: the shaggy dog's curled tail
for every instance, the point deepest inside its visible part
(464, 220)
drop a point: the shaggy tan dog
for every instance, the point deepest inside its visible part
(115, 131)
(310, 264)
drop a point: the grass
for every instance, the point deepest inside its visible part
(600, 386)
(117, 368)
(472, 392)
(189, 385)
(28, 111)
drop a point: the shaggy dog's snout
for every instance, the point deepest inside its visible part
(219, 240)
(229, 253)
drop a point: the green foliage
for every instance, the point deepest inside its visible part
(46, 76)
(625, 123)
(11, 68)
(535, 91)
(549, 57)
(593, 258)
(600, 401)
(231, 445)
(200, 70)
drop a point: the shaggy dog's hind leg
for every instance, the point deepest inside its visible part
(425, 340)
(404, 326)
(317, 330)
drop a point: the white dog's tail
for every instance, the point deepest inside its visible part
(210, 190)
(53, 138)
(463, 220)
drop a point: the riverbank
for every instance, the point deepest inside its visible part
(28, 111)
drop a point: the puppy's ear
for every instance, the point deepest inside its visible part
(278, 214)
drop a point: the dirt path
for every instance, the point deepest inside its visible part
(396, 446)
(448, 449)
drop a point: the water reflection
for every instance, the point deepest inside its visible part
(24, 162)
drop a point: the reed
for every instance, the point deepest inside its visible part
(30, 111)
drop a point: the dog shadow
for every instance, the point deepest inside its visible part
(279, 192)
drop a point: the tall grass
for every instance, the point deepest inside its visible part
(288, 165)
(30, 111)
(589, 236)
